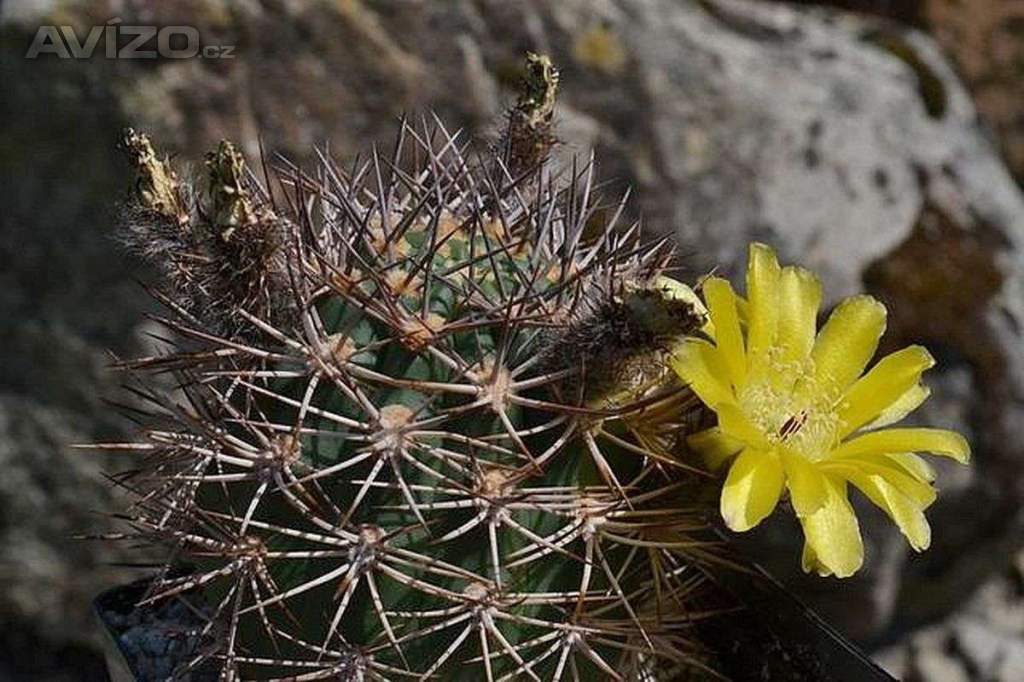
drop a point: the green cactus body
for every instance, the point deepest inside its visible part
(424, 430)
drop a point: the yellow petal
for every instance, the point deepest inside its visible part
(913, 464)
(904, 405)
(887, 382)
(936, 441)
(833, 533)
(743, 308)
(901, 509)
(714, 446)
(733, 422)
(763, 312)
(809, 561)
(799, 299)
(922, 494)
(698, 365)
(846, 343)
(806, 484)
(722, 307)
(751, 489)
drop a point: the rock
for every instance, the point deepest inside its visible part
(986, 44)
(65, 306)
(984, 41)
(982, 648)
(894, 660)
(999, 604)
(48, 495)
(1012, 665)
(847, 142)
(984, 637)
(935, 666)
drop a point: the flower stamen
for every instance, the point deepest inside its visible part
(793, 425)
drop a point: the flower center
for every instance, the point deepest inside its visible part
(789, 412)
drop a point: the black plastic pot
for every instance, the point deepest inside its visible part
(153, 642)
(767, 634)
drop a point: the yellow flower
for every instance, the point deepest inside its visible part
(796, 413)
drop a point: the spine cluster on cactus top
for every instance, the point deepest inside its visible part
(423, 416)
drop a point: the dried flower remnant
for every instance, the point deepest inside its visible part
(219, 244)
(529, 134)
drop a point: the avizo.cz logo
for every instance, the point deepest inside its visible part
(115, 40)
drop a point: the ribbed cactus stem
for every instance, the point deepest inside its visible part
(437, 439)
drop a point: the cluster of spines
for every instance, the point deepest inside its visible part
(384, 459)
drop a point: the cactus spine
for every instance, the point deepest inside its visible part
(423, 428)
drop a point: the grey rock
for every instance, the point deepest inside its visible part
(1011, 667)
(66, 301)
(999, 603)
(895, 660)
(934, 666)
(980, 646)
(984, 637)
(932, 659)
(48, 495)
(26, 12)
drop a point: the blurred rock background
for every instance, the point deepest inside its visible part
(880, 142)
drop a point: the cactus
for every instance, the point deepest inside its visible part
(423, 424)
